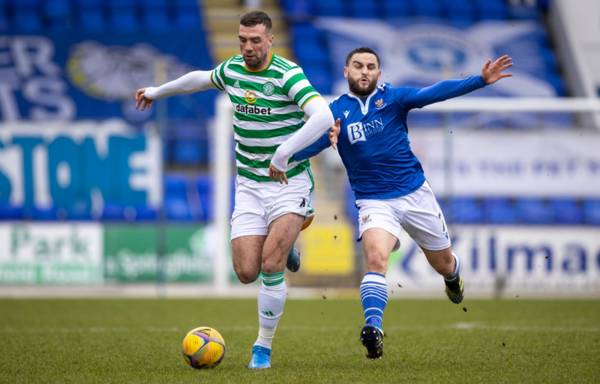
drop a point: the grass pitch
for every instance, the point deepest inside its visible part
(138, 341)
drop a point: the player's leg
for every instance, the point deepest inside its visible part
(288, 205)
(377, 245)
(379, 232)
(424, 221)
(293, 258)
(246, 254)
(283, 231)
(447, 264)
(248, 231)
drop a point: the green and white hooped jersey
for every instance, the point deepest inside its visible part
(267, 108)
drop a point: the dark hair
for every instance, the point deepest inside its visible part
(252, 18)
(362, 50)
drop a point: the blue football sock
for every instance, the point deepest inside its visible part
(374, 297)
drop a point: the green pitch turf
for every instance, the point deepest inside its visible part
(138, 341)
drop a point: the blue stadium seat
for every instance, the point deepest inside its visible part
(27, 20)
(11, 212)
(188, 152)
(393, 9)
(121, 4)
(363, 9)
(427, 8)
(4, 20)
(92, 20)
(566, 211)
(463, 210)
(310, 52)
(320, 78)
(177, 209)
(188, 19)
(533, 211)
(297, 9)
(44, 213)
(524, 13)
(57, 9)
(156, 4)
(113, 212)
(91, 4)
(176, 187)
(491, 9)
(204, 189)
(156, 20)
(591, 211)
(145, 213)
(459, 12)
(499, 210)
(124, 20)
(331, 8)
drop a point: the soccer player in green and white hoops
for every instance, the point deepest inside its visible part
(271, 98)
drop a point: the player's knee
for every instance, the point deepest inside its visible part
(271, 265)
(377, 261)
(246, 276)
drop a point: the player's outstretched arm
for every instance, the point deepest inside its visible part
(494, 71)
(447, 89)
(190, 82)
(320, 119)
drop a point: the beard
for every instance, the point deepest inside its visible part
(254, 61)
(358, 90)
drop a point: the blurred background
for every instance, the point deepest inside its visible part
(98, 198)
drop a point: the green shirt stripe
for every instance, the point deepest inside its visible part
(292, 81)
(301, 93)
(255, 163)
(266, 133)
(258, 150)
(298, 169)
(267, 73)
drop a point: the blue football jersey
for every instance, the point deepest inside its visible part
(373, 141)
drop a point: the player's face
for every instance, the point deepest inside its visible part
(362, 73)
(255, 44)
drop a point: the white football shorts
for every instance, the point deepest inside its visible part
(258, 204)
(418, 213)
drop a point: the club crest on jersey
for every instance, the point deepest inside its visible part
(250, 97)
(379, 103)
(268, 88)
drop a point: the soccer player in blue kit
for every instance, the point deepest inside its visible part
(391, 191)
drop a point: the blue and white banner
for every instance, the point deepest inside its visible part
(69, 76)
(421, 53)
(79, 166)
(508, 261)
(495, 163)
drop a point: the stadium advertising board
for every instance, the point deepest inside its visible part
(78, 167)
(82, 75)
(131, 254)
(51, 254)
(484, 163)
(510, 260)
(421, 53)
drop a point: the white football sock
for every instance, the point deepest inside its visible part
(271, 300)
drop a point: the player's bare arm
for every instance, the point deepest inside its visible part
(494, 71)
